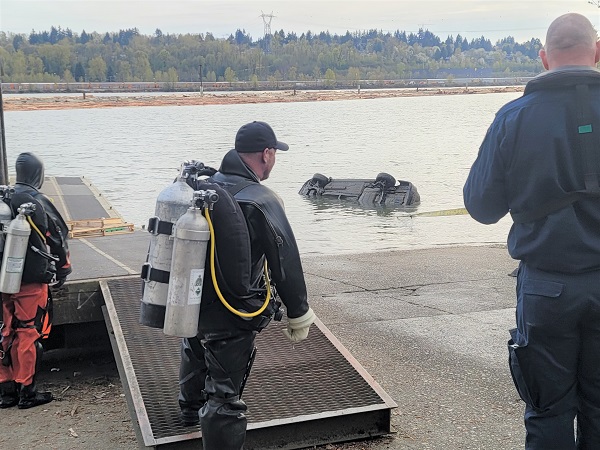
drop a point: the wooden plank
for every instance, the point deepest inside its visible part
(99, 227)
(85, 223)
(101, 222)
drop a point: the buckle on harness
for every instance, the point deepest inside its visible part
(278, 312)
(153, 225)
(149, 273)
(157, 226)
(145, 274)
(5, 358)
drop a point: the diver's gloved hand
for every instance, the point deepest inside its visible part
(297, 329)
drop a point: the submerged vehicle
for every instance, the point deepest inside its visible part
(381, 191)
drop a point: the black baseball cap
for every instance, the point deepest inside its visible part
(255, 137)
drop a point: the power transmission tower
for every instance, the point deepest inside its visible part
(267, 37)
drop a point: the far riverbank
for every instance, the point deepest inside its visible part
(23, 102)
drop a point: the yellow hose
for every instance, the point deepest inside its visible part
(214, 278)
(36, 228)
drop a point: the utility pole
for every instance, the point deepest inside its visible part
(201, 86)
(3, 161)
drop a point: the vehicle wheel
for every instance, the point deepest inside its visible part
(386, 179)
(320, 180)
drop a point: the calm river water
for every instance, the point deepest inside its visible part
(131, 154)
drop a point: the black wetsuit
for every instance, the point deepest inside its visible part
(215, 362)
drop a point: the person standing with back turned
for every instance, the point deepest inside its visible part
(216, 363)
(540, 161)
(25, 314)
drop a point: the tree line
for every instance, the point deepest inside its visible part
(60, 55)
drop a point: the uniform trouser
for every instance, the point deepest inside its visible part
(22, 307)
(226, 356)
(554, 358)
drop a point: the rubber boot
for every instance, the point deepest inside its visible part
(30, 397)
(9, 394)
(223, 424)
(189, 415)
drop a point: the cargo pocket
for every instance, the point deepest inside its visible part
(516, 347)
(542, 288)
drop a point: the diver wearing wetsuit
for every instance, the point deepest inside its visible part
(215, 364)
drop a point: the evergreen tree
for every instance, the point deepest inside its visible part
(84, 38)
(79, 72)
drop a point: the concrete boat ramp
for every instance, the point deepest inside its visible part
(408, 352)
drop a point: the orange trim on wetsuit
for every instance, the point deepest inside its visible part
(22, 307)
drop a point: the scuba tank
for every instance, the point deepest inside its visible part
(6, 214)
(191, 237)
(171, 204)
(13, 259)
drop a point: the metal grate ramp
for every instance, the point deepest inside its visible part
(298, 396)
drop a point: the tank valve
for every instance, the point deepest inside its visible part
(205, 198)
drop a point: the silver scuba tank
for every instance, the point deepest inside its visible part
(15, 249)
(191, 237)
(5, 213)
(171, 204)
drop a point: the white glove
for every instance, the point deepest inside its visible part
(297, 329)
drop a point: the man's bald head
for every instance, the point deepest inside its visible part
(569, 31)
(571, 40)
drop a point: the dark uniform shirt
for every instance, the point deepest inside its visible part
(531, 154)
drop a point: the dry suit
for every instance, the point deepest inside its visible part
(215, 364)
(540, 161)
(25, 315)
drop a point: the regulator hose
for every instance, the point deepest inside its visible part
(214, 278)
(33, 226)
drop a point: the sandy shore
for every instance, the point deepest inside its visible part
(32, 103)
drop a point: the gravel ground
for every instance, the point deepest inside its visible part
(89, 411)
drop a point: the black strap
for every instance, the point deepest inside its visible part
(195, 346)
(157, 226)
(234, 189)
(247, 372)
(149, 273)
(589, 148)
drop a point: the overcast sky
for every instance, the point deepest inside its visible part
(494, 19)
